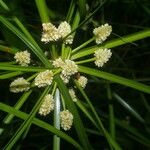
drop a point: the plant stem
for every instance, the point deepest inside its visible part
(42, 9)
(86, 61)
(56, 139)
(111, 113)
(70, 11)
(8, 49)
(4, 5)
(17, 106)
(83, 45)
(110, 44)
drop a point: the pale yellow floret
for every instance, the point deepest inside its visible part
(23, 58)
(101, 33)
(19, 85)
(58, 63)
(44, 78)
(102, 56)
(47, 105)
(69, 68)
(50, 33)
(73, 95)
(66, 119)
(82, 81)
(64, 29)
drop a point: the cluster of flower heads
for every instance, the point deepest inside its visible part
(44, 78)
(101, 33)
(47, 105)
(19, 85)
(23, 58)
(66, 117)
(51, 33)
(102, 55)
(68, 67)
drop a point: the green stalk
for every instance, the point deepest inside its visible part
(110, 140)
(114, 43)
(10, 75)
(40, 124)
(17, 106)
(83, 45)
(20, 68)
(70, 11)
(86, 61)
(8, 49)
(43, 11)
(111, 113)
(53, 51)
(4, 5)
(27, 122)
(111, 77)
(56, 139)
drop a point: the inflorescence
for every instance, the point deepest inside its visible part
(51, 33)
(68, 68)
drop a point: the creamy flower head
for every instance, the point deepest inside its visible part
(47, 105)
(23, 58)
(82, 81)
(101, 33)
(44, 78)
(69, 68)
(66, 119)
(64, 29)
(73, 95)
(58, 63)
(50, 33)
(19, 85)
(102, 56)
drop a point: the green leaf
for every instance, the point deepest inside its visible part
(115, 78)
(43, 11)
(38, 53)
(40, 123)
(9, 75)
(110, 44)
(128, 108)
(87, 113)
(82, 7)
(20, 68)
(110, 140)
(72, 108)
(27, 122)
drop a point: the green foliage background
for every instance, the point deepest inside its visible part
(122, 109)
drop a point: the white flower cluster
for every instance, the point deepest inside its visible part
(23, 58)
(64, 29)
(66, 119)
(58, 63)
(44, 78)
(82, 81)
(102, 56)
(19, 85)
(68, 68)
(101, 33)
(73, 95)
(47, 105)
(51, 33)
